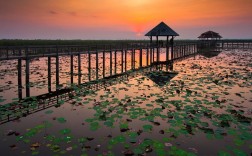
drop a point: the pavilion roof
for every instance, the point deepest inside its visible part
(162, 30)
(210, 34)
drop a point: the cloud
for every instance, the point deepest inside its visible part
(72, 13)
(53, 12)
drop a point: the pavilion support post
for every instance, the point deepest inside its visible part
(71, 68)
(172, 47)
(19, 79)
(49, 77)
(167, 48)
(151, 56)
(147, 56)
(27, 76)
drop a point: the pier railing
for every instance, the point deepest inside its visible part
(178, 51)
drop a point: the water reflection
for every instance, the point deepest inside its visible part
(204, 110)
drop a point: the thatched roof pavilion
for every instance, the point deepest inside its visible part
(210, 35)
(161, 30)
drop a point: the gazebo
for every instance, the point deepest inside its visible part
(162, 30)
(209, 41)
(210, 35)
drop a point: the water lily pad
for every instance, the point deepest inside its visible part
(61, 120)
(65, 131)
(49, 112)
(147, 127)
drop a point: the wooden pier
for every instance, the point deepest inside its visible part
(179, 51)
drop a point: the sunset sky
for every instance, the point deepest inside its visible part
(122, 19)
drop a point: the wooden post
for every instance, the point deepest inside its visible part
(103, 63)
(7, 52)
(182, 51)
(20, 79)
(125, 60)
(57, 69)
(89, 64)
(49, 77)
(27, 76)
(122, 61)
(71, 68)
(115, 62)
(79, 68)
(132, 59)
(97, 64)
(141, 58)
(110, 52)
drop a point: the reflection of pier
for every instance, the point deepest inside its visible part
(31, 105)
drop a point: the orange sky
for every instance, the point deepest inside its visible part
(122, 19)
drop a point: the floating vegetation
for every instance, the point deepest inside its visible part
(206, 103)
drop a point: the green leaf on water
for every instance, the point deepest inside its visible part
(108, 123)
(61, 120)
(238, 152)
(223, 153)
(238, 142)
(124, 126)
(149, 105)
(147, 127)
(112, 141)
(138, 151)
(49, 112)
(94, 126)
(120, 139)
(2, 100)
(65, 131)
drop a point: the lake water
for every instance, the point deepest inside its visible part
(205, 109)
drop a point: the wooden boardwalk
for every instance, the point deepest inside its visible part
(180, 50)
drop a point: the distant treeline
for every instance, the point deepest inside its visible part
(66, 42)
(17, 42)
